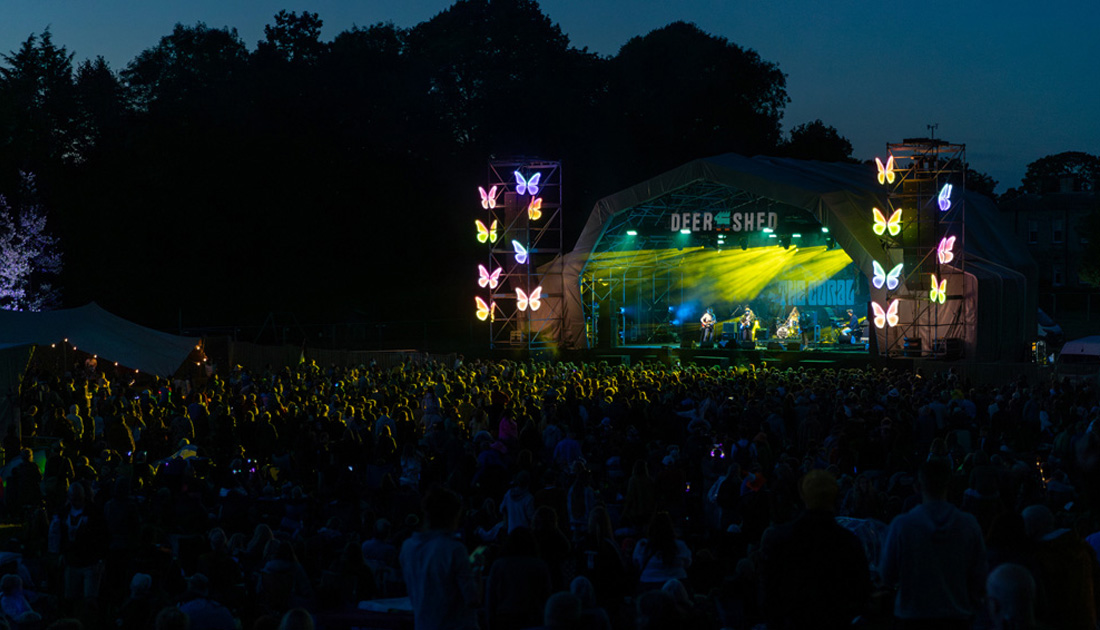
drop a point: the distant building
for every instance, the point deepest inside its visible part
(1050, 225)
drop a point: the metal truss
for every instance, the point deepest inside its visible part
(924, 166)
(541, 237)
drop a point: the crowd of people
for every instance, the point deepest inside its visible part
(510, 495)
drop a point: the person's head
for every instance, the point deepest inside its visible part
(172, 618)
(10, 583)
(382, 529)
(1038, 521)
(661, 533)
(1010, 595)
(141, 584)
(679, 593)
(819, 490)
(198, 584)
(217, 539)
(581, 587)
(441, 508)
(599, 524)
(544, 519)
(934, 476)
(563, 610)
(297, 619)
(76, 496)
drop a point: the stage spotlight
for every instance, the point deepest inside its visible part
(768, 230)
(685, 231)
(632, 232)
(824, 229)
(796, 235)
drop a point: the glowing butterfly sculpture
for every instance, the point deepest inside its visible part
(485, 311)
(939, 291)
(488, 199)
(889, 279)
(944, 198)
(943, 252)
(521, 252)
(886, 173)
(882, 224)
(534, 300)
(524, 186)
(534, 209)
(487, 279)
(889, 316)
(486, 233)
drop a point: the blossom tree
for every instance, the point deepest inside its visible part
(30, 257)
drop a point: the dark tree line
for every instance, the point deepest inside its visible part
(333, 179)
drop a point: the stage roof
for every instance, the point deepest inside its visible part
(838, 196)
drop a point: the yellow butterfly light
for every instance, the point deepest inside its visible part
(534, 300)
(486, 233)
(882, 224)
(939, 291)
(884, 317)
(534, 209)
(886, 173)
(484, 311)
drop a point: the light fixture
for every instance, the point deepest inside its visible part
(796, 235)
(768, 230)
(944, 198)
(524, 186)
(824, 229)
(632, 232)
(685, 231)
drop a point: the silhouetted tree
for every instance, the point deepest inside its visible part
(980, 182)
(817, 141)
(37, 104)
(193, 68)
(294, 38)
(1045, 174)
(683, 94)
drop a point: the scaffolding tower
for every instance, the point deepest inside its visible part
(929, 189)
(529, 242)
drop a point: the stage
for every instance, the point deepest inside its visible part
(771, 353)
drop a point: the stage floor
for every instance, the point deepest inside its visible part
(761, 353)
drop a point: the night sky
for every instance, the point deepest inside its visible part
(1014, 81)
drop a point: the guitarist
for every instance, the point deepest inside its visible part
(707, 321)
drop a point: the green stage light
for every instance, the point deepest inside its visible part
(768, 230)
(824, 229)
(773, 236)
(685, 231)
(796, 235)
(632, 232)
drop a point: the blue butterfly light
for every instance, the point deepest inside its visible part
(525, 186)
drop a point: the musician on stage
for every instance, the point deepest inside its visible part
(707, 320)
(748, 324)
